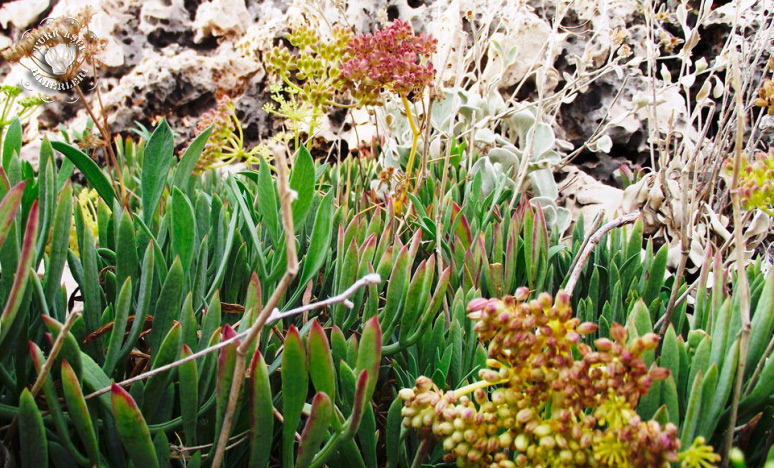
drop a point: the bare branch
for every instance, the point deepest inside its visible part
(593, 240)
(286, 198)
(744, 287)
(46, 368)
(341, 298)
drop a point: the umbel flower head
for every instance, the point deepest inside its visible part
(765, 97)
(538, 405)
(756, 181)
(61, 44)
(392, 59)
(226, 143)
(313, 70)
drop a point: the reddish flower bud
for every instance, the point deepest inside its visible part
(586, 328)
(659, 373)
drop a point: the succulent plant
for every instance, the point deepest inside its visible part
(287, 316)
(537, 404)
(522, 136)
(755, 181)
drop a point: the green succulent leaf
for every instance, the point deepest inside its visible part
(393, 432)
(318, 244)
(725, 385)
(189, 395)
(294, 388)
(761, 326)
(261, 414)
(144, 296)
(12, 142)
(123, 306)
(159, 155)
(315, 430)
(132, 429)
(369, 354)
(670, 353)
(692, 413)
(183, 228)
(26, 260)
(320, 361)
(302, 180)
(8, 207)
(188, 162)
(79, 412)
(167, 305)
(90, 170)
(60, 241)
(157, 383)
(225, 376)
(32, 433)
(127, 262)
(267, 201)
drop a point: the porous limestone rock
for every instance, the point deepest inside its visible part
(220, 18)
(22, 13)
(172, 57)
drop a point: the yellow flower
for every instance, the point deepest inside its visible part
(699, 455)
(87, 202)
(614, 411)
(611, 451)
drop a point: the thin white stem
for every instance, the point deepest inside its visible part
(592, 242)
(344, 296)
(742, 284)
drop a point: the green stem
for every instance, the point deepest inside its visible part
(6, 378)
(767, 211)
(470, 388)
(415, 138)
(341, 105)
(291, 84)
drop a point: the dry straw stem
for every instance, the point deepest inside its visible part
(342, 298)
(442, 200)
(686, 226)
(46, 369)
(542, 79)
(269, 311)
(110, 156)
(286, 197)
(744, 287)
(592, 242)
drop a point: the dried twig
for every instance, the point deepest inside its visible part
(595, 224)
(286, 197)
(110, 156)
(46, 369)
(744, 287)
(592, 242)
(759, 367)
(341, 298)
(685, 250)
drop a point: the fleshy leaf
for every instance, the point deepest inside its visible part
(132, 429)
(295, 380)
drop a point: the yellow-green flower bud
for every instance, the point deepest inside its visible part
(542, 430)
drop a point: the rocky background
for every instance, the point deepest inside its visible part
(173, 58)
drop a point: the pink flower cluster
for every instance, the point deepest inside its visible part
(391, 59)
